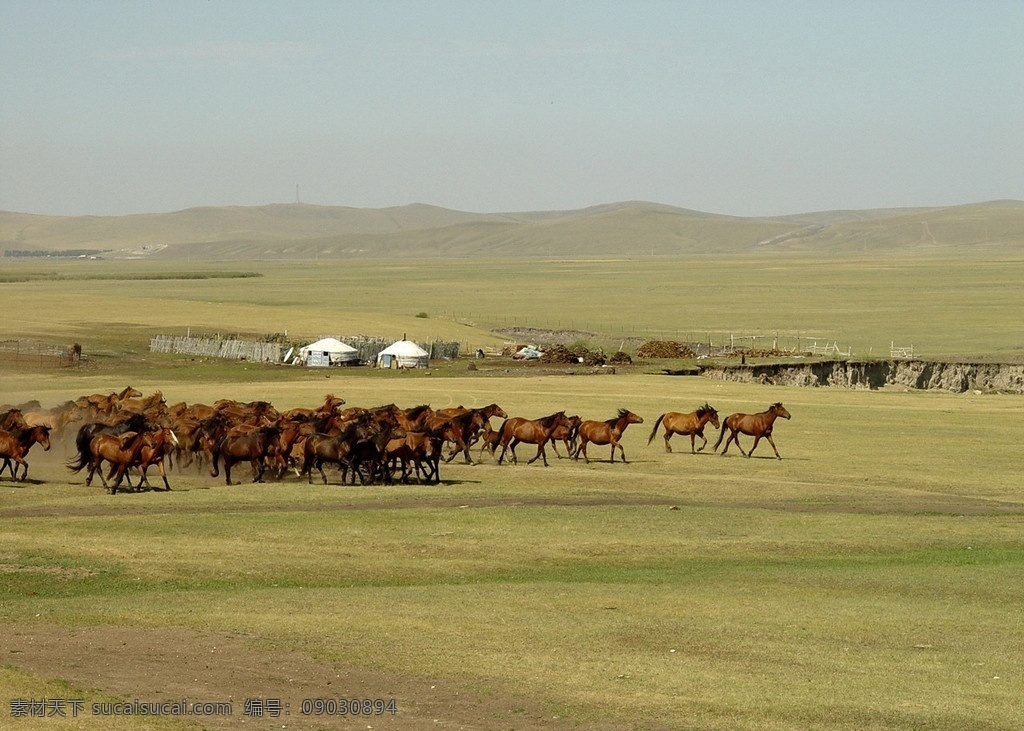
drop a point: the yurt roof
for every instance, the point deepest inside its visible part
(329, 345)
(405, 347)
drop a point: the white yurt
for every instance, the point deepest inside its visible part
(328, 352)
(403, 354)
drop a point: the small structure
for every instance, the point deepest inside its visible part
(403, 354)
(328, 352)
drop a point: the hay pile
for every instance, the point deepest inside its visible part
(665, 349)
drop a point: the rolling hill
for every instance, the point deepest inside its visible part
(301, 231)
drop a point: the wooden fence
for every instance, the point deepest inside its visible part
(217, 348)
(367, 348)
(900, 351)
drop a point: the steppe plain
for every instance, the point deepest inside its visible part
(868, 580)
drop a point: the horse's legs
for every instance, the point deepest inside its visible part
(540, 453)
(121, 470)
(622, 452)
(554, 446)
(771, 442)
(163, 474)
(19, 462)
(583, 448)
(733, 437)
(668, 435)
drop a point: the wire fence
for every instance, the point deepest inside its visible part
(23, 353)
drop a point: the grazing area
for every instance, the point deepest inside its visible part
(868, 579)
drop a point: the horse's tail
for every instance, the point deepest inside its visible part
(721, 434)
(77, 464)
(654, 431)
(501, 433)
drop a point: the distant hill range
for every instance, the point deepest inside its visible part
(633, 229)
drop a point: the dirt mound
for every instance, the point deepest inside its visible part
(579, 354)
(665, 349)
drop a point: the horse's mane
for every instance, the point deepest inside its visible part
(546, 421)
(623, 413)
(705, 409)
(416, 410)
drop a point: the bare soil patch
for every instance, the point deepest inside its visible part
(170, 665)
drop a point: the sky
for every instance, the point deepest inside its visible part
(733, 107)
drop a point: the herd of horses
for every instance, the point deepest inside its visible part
(126, 432)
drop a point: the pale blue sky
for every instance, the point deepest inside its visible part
(743, 108)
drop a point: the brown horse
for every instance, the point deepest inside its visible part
(606, 432)
(239, 445)
(755, 425)
(532, 431)
(566, 434)
(121, 450)
(14, 445)
(692, 424)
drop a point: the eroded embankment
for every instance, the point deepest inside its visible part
(954, 377)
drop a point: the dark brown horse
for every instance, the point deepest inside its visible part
(692, 424)
(239, 445)
(14, 445)
(755, 425)
(532, 431)
(606, 432)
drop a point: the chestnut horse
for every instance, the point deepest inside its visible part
(14, 445)
(755, 425)
(606, 432)
(532, 431)
(692, 424)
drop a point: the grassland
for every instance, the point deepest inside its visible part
(945, 307)
(869, 580)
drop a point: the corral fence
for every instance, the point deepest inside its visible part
(830, 348)
(217, 348)
(366, 347)
(900, 351)
(38, 355)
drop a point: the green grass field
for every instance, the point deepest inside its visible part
(943, 307)
(869, 580)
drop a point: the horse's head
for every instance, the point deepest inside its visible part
(42, 436)
(630, 417)
(779, 410)
(708, 412)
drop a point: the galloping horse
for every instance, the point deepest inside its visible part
(755, 425)
(121, 450)
(532, 431)
(692, 424)
(606, 432)
(240, 446)
(14, 445)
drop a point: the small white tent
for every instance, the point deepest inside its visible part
(328, 352)
(403, 354)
